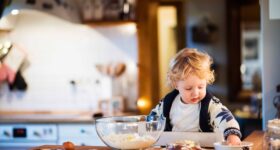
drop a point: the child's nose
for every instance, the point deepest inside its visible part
(195, 92)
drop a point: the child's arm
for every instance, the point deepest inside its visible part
(233, 139)
(157, 111)
(223, 120)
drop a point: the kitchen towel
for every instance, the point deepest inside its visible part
(15, 58)
(19, 83)
(6, 74)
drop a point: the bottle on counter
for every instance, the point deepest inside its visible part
(125, 12)
(271, 139)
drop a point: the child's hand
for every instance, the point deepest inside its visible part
(233, 140)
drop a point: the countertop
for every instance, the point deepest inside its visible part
(59, 147)
(255, 137)
(51, 116)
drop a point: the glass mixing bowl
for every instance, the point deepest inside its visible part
(130, 132)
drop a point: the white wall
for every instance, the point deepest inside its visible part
(59, 51)
(270, 34)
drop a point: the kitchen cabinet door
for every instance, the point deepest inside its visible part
(79, 134)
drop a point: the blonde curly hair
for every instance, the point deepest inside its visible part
(190, 62)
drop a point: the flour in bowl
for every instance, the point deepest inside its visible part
(129, 141)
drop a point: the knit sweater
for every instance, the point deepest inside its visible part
(213, 116)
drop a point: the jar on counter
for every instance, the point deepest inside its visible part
(271, 139)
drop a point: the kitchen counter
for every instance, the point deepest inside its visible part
(59, 147)
(255, 137)
(46, 117)
(51, 116)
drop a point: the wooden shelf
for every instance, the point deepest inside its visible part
(109, 23)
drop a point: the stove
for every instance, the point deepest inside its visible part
(21, 131)
(27, 135)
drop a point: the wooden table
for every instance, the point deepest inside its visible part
(59, 147)
(255, 137)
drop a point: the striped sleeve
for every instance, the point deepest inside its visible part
(156, 111)
(222, 119)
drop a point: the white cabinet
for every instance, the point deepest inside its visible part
(79, 134)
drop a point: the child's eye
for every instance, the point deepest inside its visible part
(188, 89)
(201, 87)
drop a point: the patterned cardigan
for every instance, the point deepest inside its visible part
(213, 115)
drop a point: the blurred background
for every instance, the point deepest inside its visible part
(68, 59)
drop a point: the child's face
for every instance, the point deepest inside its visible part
(192, 90)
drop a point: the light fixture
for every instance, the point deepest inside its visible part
(15, 12)
(129, 29)
(141, 103)
(144, 105)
